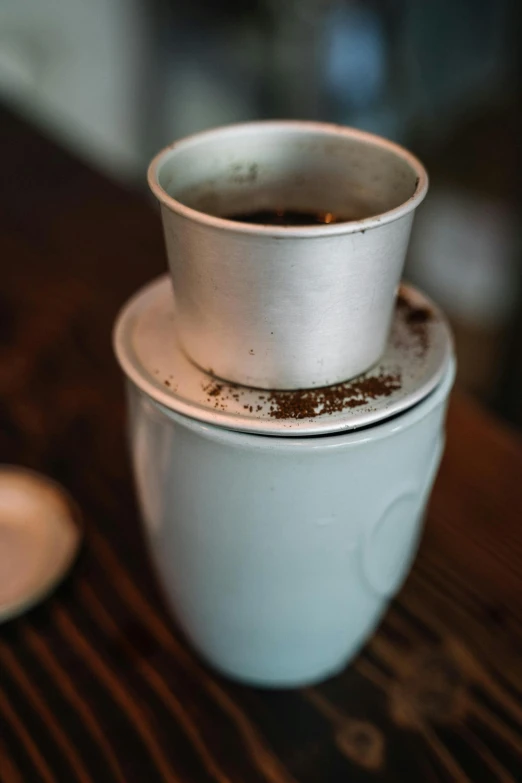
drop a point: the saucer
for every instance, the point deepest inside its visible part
(416, 358)
(39, 538)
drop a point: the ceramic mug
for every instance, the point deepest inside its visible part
(277, 555)
(286, 307)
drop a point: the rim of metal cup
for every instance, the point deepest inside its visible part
(282, 126)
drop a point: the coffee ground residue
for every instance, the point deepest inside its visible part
(213, 389)
(308, 403)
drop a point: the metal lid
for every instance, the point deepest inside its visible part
(417, 356)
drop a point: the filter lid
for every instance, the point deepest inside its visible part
(415, 360)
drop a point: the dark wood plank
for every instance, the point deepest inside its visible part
(99, 686)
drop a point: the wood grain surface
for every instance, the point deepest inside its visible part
(97, 684)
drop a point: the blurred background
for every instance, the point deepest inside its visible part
(115, 80)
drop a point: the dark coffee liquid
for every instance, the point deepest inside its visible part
(288, 217)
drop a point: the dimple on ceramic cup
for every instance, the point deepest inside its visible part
(279, 555)
(286, 307)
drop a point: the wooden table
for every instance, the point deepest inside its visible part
(96, 684)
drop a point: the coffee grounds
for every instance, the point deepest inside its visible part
(309, 403)
(214, 390)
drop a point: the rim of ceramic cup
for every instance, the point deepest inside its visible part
(281, 127)
(331, 440)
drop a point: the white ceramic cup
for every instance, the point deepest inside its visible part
(285, 307)
(278, 556)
